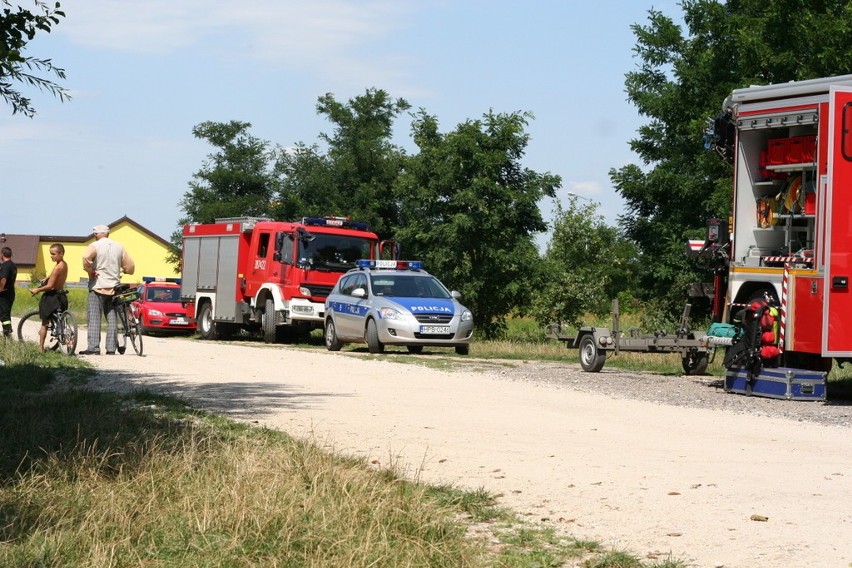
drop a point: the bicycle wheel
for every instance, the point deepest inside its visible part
(66, 333)
(28, 327)
(132, 330)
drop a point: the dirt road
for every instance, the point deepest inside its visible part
(641, 476)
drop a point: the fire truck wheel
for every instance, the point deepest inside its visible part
(695, 363)
(332, 343)
(373, 343)
(268, 320)
(592, 359)
(206, 325)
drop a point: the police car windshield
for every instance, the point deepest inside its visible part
(407, 286)
(333, 253)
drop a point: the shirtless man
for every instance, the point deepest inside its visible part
(54, 296)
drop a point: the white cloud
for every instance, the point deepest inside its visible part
(328, 37)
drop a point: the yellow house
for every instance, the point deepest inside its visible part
(149, 253)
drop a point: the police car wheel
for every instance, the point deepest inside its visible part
(332, 343)
(462, 349)
(373, 343)
(414, 348)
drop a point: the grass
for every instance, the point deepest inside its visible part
(101, 479)
(77, 298)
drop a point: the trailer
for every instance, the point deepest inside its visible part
(696, 348)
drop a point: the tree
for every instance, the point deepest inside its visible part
(470, 211)
(356, 175)
(237, 180)
(680, 83)
(17, 28)
(585, 266)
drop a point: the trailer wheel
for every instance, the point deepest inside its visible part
(373, 343)
(592, 359)
(695, 363)
(206, 325)
(268, 321)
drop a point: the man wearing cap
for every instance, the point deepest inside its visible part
(104, 261)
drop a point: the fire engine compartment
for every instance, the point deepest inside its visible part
(776, 185)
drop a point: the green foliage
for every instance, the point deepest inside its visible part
(469, 210)
(586, 265)
(356, 176)
(37, 276)
(681, 81)
(17, 28)
(236, 180)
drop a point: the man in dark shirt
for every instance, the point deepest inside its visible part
(8, 276)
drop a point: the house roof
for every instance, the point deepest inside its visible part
(25, 247)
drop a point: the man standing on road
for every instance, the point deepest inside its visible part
(104, 261)
(8, 276)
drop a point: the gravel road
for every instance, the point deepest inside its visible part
(657, 465)
(694, 392)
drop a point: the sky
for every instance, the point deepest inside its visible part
(142, 74)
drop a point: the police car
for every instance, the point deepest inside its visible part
(395, 302)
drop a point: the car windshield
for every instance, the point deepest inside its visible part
(333, 253)
(162, 295)
(408, 286)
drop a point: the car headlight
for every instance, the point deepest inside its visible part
(466, 316)
(390, 313)
(154, 312)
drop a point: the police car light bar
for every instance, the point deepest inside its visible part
(343, 222)
(149, 279)
(392, 264)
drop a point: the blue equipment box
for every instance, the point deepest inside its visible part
(780, 382)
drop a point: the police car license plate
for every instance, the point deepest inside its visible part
(178, 321)
(434, 329)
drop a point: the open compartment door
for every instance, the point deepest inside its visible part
(837, 308)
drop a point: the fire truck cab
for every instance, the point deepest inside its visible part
(259, 274)
(791, 227)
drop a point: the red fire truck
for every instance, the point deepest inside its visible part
(273, 276)
(790, 238)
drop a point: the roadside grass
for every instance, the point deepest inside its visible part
(104, 479)
(77, 297)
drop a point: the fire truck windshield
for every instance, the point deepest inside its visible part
(333, 253)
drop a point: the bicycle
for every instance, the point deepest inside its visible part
(122, 300)
(61, 329)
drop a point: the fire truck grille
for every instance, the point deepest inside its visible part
(319, 291)
(436, 319)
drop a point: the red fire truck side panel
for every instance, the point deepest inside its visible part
(838, 270)
(804, 314)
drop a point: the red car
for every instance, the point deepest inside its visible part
(159, 308)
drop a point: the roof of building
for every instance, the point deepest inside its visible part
(25, 247)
